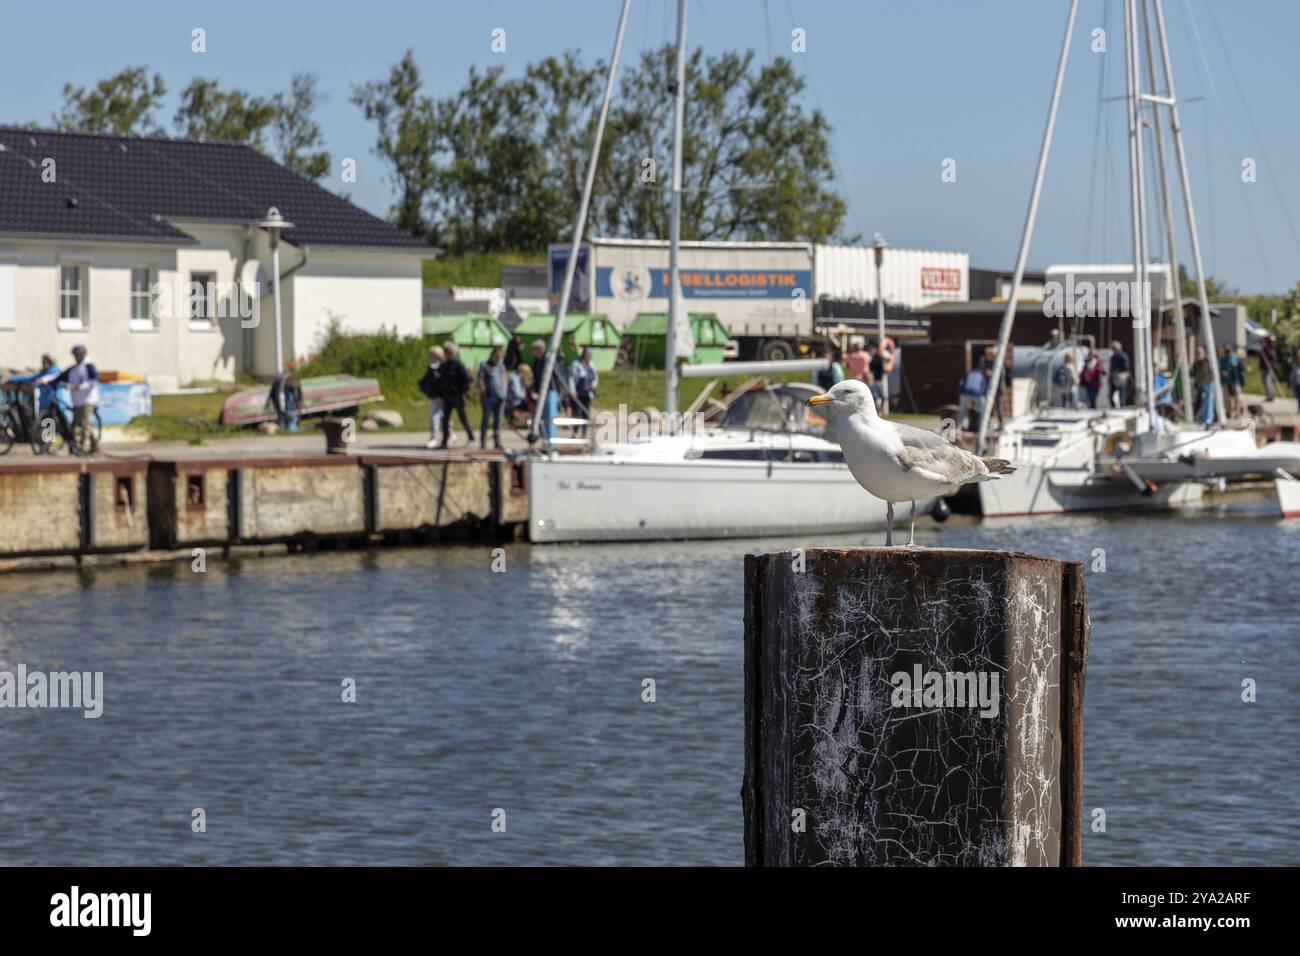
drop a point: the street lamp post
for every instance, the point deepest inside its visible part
(274, 223)
(878, 246)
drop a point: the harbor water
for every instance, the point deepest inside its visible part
(522, 691)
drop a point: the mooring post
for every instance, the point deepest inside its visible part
(913, 707)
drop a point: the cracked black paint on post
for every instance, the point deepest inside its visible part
(882, 785)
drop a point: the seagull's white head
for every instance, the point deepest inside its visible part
(847, 397)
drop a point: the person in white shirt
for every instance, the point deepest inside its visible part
(83, 383)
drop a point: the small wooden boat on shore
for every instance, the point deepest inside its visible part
(320, 395)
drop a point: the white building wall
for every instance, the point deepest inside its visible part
(170, 350)
(366, 291)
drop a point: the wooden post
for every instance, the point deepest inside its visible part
(909, 706)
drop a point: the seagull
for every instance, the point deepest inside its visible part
(897, 462)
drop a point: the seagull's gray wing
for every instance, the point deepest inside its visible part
(931, 456)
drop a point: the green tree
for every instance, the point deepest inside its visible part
(122, 104)
(502, 178)
(1288, 322)
(208, 112)
(404, 116)
(297, 135)
(756, 165)
(1215, 291)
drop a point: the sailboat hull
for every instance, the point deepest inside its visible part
(1036, 490)
(579, 498)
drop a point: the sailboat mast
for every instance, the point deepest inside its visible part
(1173, 294)
(675, 220)
(1207, 329)
(1138, 309)
(1009, 316)
(557, 331)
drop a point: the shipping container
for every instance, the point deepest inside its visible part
(913, 278)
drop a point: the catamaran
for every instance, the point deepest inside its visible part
(1077, 459)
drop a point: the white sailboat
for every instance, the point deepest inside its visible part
(1085, 459)
(767, 468)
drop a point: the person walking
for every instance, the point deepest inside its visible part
(430, 386)
(1121, 375)
(455, 386)
(82, 379)
(492, 390)
(583, 379)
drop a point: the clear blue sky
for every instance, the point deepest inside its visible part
(904, 84)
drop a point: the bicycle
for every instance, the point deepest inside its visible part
(16, 416)
(56, 429)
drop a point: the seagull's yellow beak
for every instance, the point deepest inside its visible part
(819, 400)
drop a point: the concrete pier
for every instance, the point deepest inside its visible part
(142, 507)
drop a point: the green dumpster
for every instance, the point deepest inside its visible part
(645, 339)
(476, 334)
(581, 330)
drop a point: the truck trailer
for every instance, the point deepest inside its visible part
(763, 292)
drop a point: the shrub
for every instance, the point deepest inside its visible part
(398, 362)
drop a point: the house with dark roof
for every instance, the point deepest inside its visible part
(154, 254)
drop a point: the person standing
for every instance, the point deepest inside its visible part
(1231, 379)
(1090, 378)
(514, 353)
(830, 376)
(82, 380)
(492, 382)
(1203, 382)
(430, 386)
(455, 386)
(1267, 356)
(546, 394)
(858, 360)
(1069, 382)
(1295, 375)
(1121, 375)
(583, 378)
(974, 385)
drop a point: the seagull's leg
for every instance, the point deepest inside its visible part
(889, 524)
(911, 538)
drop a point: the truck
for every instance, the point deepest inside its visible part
(765, 293)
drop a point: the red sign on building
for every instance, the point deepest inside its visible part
(941, 280)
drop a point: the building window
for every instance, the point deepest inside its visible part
(203, 299)
(73, 300)
(142, 299)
